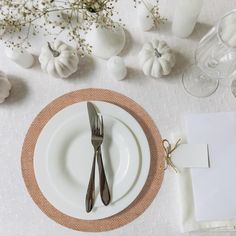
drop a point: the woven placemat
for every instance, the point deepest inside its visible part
(152, 184)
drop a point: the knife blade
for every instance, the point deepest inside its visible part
(92, 114)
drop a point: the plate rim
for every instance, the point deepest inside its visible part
(140, 181)
(44, 140)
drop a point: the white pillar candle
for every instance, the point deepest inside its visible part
(185, 17)
(20, 57)
(117, 68)
(144, 17)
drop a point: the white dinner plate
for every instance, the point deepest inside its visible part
(70, 156)
(64, 154)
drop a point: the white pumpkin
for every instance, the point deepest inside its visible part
(156, 59)
(5, 87)
(59, 60)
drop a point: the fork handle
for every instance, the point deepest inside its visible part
(90, 195)
(104, 188)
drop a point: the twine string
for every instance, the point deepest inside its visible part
(168, 151)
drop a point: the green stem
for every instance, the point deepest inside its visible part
(157, 54)
(54, 52)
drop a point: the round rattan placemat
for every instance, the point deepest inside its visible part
(152, 184)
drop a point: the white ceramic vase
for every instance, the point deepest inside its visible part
(106, 42)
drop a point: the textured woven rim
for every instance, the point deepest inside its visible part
(148, 192)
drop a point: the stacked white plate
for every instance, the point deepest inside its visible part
(64, 154)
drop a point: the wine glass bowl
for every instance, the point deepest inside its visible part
(215, 58)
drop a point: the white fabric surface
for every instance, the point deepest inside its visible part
(164, 99)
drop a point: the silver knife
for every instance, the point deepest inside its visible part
(104, 188)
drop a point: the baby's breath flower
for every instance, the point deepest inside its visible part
(19, 19)
(154, 11)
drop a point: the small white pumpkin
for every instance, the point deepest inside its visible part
(5, 87)
(156, 59)
(59, 60)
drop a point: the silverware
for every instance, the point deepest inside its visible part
(104, 188)
(97, 133)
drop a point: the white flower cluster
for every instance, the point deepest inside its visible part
(19, 19)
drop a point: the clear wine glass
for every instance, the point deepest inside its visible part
(215, 58)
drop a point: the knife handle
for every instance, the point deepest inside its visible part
(104, 188)
(90, 195)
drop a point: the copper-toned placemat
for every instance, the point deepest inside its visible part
(153, 182)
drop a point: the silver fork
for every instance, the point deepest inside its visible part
(97, 139)
(104, 188)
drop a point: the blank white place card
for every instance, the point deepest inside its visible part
(214, 189)
(191, 156)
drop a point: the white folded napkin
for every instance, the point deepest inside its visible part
(208, 196)
(188, 220)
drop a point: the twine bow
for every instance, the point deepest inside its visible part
(169, 150)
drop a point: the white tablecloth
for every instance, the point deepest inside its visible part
(164, 99)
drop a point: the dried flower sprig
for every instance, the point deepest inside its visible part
(21, 19)
(154, 11)
(27, 17)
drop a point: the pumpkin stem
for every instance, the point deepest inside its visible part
(157, 54)
(54, 52)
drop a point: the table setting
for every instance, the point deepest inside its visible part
(118, 118)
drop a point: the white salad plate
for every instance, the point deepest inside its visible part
(63, 159)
